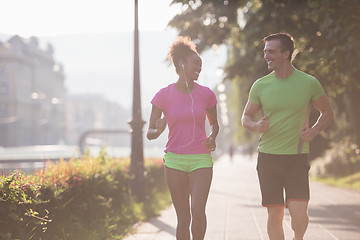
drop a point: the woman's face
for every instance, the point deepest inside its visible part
(192, 67)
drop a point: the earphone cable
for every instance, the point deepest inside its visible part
(192, 112)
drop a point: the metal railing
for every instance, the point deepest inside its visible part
(85, 135)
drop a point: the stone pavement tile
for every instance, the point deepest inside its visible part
(160, 228)
(141, 236)
(333, 212)
(234, 210)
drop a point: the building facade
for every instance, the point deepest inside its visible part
(87, 112)
(32, 93)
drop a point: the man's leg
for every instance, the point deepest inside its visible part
(299, 218)
(275, 223)
(178, 183)
(200, 181)
(298, 194)
(271, 185)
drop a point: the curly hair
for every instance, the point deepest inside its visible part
(181, 48)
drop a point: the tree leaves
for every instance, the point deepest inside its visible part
(326, 36)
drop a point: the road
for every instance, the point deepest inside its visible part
(234, 211)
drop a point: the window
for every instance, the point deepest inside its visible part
(4, 89)
(3, 110)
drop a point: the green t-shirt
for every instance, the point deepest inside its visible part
(286, 101)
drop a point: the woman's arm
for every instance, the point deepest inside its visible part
(156, 124)
(214, 126)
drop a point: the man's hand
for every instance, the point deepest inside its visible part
(262, 125)
(307, 134)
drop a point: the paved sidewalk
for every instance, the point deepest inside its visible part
(234, 211)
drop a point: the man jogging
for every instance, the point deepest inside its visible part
(284, 97)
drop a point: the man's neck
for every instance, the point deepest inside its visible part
(284, 71)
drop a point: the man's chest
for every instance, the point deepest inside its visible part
(285, 96)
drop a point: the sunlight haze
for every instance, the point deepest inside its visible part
(51, 18)
(93, 40)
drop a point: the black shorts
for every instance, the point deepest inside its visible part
(283, 172)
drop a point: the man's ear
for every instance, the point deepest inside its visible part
(287, 54)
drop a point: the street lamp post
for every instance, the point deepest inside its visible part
(136, 123)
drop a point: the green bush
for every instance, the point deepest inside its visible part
(350, 182)
(18, 201)
(84, 198)
(343, 159)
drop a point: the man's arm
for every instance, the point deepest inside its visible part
(326, 116)
(247, 120)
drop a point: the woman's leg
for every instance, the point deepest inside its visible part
(178, 183)
(200, 181)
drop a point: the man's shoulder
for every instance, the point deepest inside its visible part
(264, 79)
(270, 75)
(304, 75)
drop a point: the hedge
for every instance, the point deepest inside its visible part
(82, 199)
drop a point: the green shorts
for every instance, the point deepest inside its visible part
(188, 162)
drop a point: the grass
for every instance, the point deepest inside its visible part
(350, 182)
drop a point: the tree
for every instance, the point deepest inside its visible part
(326, 34)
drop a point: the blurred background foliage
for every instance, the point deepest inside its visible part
(327, 46)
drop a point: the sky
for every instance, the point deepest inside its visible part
(93, 40)
(26, 18)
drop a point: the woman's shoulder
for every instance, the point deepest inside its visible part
(203, 88)
(167, 89)
(163, 95)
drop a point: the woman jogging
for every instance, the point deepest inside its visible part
(188, 162)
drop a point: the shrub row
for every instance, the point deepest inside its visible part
(343, 159)
(82, 199)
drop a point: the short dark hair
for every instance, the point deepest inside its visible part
(181, 48)
(286, 40)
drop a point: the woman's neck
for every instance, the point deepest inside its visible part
(182, 87)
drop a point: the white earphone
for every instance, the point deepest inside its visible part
(186, 82)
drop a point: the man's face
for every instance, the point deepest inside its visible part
(273, 55)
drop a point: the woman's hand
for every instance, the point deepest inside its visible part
(161, 124)
(156, 124)
(210, 143)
